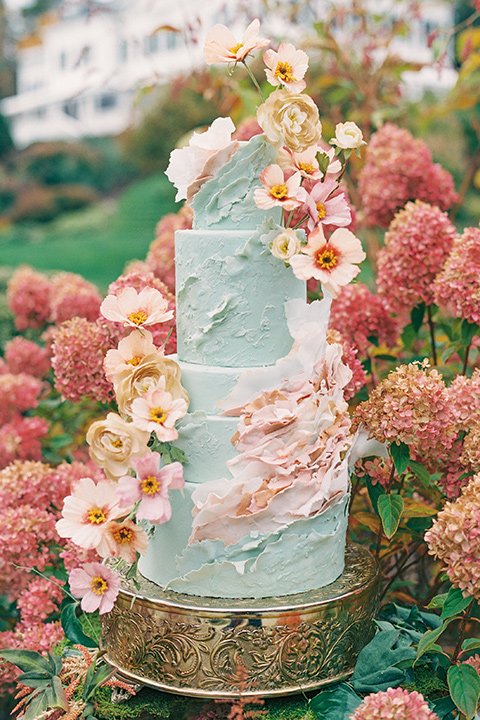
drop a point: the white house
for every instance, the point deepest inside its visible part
(80, 72)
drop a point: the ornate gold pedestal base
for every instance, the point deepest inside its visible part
(209, 647)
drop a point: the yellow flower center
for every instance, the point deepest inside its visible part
(138, 318)
(158, 415)
(306, 168)
(117, 443)
(96, 516)
(150, 485)
(284, 72)
(236, 48)
(123, 536)
(135, 360)
(98, 586)
(326, 258)
(279, 191)
(321, 210)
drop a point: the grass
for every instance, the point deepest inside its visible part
(96, 242)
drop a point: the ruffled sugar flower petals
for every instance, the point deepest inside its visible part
(87, 511)
(97, 585)
(394, 704)
(154, 371)
(348, 136)
(334, 263)
(221, 46)
(156, 411)
(193, 165)
(323, 208)
(290, 119)
(136, 309)
(286, 245)
(113, 442)
(286, 67)
(276, 190)
(125, 539)
(150, 487)
(131, 351)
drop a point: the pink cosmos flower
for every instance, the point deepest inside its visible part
(323, 207)
(136, 309)
(87, 511)
(286, 67)
(151, 487)
(157, 411)
(332, 262)
(97, 585)
(125, 539)
(306, 162)
(222, 46)
(130, 353)
(277, 190)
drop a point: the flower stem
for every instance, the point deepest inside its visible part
(431, 325)
(461, 633)
(254, 80)
(465, 362)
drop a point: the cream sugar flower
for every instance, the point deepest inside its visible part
(333, 262)
(286, 244)
(290, 119)
(156, 411)
(136, 309)
(87, 512)
(113, 442)
(277, 190)
(222, 46)
(131, 352)
(286, 67)
(348, 136)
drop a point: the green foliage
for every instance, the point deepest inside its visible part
(390, 509)
(377, 664)
(400, 453)
(72, 626)
(464, 683)
(454, 603)
(336, 703)
(42, 675)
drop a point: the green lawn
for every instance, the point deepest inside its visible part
(97, 242)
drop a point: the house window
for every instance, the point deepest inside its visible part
(151, 44)
(62, 60)
(123, 51)
(71, 108)
(172, 40)
(106, 101)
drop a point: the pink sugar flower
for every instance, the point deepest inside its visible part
(131, 351)
(97, 585)
(157, 411)
(324, 208)
(332, 262)
(286, 67)
(276, 190)
(151, 487)
(125, 539)
(222, 46)
(306, 162)
(87, 511)
(395, 704)
(136, 309)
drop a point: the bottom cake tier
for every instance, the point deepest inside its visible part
(209, 647)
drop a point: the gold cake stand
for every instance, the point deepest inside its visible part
(217, 648)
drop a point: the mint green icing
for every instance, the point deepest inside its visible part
(226, 201)
(205, 440)
(231, 293)
(207, 385)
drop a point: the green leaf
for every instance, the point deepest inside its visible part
(60, 696)
(36, 707)
(455, 603)
(420, 471)
(429, 639)
(409, 336)
(323, 162)
(35, 679)
(27, 660)
(376, 665)
(337, 703)
(72, 627)
(417, 315)
(470, 644)
(468, 331)
(437, 602)
(390, 508)
(94, 679)
(464, 685)
(443, 707)
(400, 453)
(374, 492)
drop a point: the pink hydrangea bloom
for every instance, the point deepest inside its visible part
(474, 661)
(394, 704)
(72, 555)
(247, 129)
(454, 538)
(28, 297)
(18, 393)
(20, 439)
(457, 287)
(378, 470)
(399, 168)
(161, 255)
(359, 314)
(150, 487)
(40, 599)
(73, 296)
(417, 244)
(77, 359)
(97, 585)
(26, 356)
